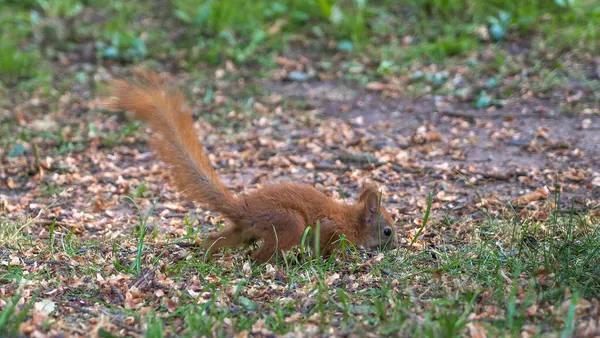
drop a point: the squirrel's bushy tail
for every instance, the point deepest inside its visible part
(174, 141)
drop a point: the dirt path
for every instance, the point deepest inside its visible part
(338, 137)
(507, 152)
(325, 134)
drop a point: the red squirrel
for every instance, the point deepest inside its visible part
(277, 214)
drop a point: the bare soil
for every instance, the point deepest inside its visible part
(509, 151)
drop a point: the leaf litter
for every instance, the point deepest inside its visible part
(75, 253)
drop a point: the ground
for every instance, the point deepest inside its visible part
(488, 157)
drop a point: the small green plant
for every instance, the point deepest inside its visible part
(141, 230)
(61, 8)
(49, 189)
(17, 60)
(154, 327)
(122, 46)
(498, 25)
(11, 317)
(51, 234)
(425, 220)
(139, 191)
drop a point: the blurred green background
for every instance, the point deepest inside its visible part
(37, 33)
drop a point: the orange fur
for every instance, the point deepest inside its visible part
(277, 214)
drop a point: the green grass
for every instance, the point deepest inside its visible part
(245, 32)
(506, 262)
(55, 55)
(17, 59)
(396, 37)
(10, 318)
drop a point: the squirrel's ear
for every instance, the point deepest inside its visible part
(369, 197)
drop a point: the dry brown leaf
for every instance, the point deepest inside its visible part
(276, 28)
(477, 330)
(538, 195)
(378, 86)
(581, 307)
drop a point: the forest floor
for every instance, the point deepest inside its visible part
(503, 140)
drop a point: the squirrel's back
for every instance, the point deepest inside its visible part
(304, 199)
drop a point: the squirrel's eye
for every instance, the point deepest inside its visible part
(387, 232)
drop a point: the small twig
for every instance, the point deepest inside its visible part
(188, 245)
(37, 162)
(177, 215)
(122, 325)
(399, 169)
(142, 279)
(118, 293)
(360, 158)
(115, 291)
(160, 285)
(329, 167)
(51, 262)
(472, 116)
(503, 177)
(82, 309)
(499, 177)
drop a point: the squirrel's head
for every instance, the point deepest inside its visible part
(377, 227)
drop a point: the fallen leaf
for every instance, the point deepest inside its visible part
(477, 330)
(538, 195)
(279, 23)
(14, 260)
(44, 307)
(581, 307)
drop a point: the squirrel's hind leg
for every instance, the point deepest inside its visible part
(280, 231)
(229, 237)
